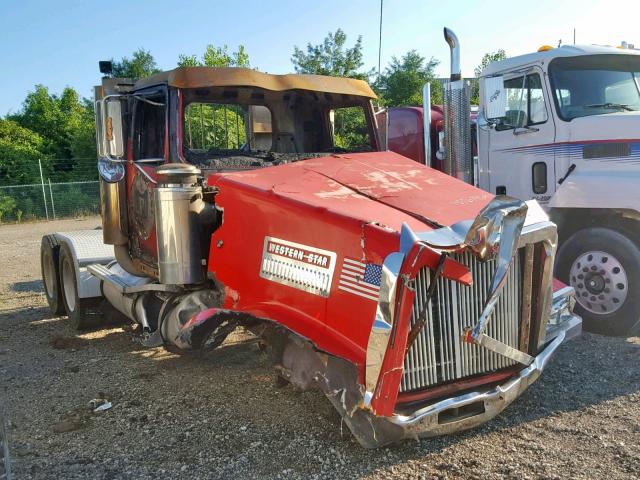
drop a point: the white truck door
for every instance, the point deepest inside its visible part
(521, 159)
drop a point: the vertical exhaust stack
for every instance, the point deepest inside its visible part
(457, 123)
(426, 119)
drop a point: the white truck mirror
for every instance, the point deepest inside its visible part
(494, 98)
(110, 127)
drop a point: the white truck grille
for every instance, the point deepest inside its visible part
(438, 355)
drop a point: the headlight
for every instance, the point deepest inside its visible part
(110, 171)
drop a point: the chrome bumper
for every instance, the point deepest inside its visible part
(433, 420)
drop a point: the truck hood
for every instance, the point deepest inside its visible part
(611, 126)
(379, 187)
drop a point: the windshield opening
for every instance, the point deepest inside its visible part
(595, 84)
(241, 127)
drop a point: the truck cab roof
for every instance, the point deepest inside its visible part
(545, 56)
(201, 77)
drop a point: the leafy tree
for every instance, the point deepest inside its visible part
(350, 128)
(42, 114)
(402, 81)
(490, 58)
(140, 65)
(486, 60)
(214, 127)
(7, 205)
(65, 123)
(20, 150)
(83, 135)
(216, 57)
(331, 57)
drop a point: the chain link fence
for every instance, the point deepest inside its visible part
(49, 190)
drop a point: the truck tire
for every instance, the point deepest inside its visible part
(603, 266)
(84, 313)
(49, 266)
(5, 462)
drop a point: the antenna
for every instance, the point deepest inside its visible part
(574, 36)
(380, 39)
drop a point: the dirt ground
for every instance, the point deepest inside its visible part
(222, 415)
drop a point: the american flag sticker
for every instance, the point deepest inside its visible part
(362, 279)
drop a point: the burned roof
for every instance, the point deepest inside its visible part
(202, 77)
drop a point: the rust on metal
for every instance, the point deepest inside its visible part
(202, 77)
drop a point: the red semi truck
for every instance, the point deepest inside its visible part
(419, 304)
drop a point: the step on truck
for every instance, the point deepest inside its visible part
(560, 126)
(419, 304)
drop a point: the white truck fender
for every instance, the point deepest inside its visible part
(87, 248)
(614, 189)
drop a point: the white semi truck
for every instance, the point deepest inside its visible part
(561, 126)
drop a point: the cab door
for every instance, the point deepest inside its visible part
(520, 150)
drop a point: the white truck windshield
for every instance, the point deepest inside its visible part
(595, 84)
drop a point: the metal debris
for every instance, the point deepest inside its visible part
(100, 405)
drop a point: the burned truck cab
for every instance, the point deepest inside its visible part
(214, 119)
(418, 304)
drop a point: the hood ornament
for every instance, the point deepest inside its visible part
(496, 224)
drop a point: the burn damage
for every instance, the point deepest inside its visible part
(216, 161)
(357, 266)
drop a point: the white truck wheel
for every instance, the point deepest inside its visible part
(603, 266)
(50, 274)
(83, 312)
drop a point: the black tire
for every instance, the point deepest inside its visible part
(5, 461)
(84, 313)
(49, 266)
(618, 248)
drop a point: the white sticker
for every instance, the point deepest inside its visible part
(299, 266)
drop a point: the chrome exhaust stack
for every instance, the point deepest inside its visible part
(426, 120)
(458, 161)
(454, 46)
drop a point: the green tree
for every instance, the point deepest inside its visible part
(66, 125)
(140, 65)
(331, 57)
(42, 114)
(7, 206)
(83, 135)
(20, 150)
(216, 57)
(490, 58)
(402, 81)
(487, 59)
(211, 126)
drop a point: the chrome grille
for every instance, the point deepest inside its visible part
(438, 355)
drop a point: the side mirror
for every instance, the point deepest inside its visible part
(494, 98)
(110, 129)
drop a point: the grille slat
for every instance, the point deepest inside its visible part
(438, 355)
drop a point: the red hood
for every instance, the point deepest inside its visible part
(381, 187)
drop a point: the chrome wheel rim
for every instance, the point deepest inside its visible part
(49, 274)
(68, 285)
(600, 282)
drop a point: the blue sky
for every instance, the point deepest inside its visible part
(59, 43)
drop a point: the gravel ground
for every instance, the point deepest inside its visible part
(222, 415)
